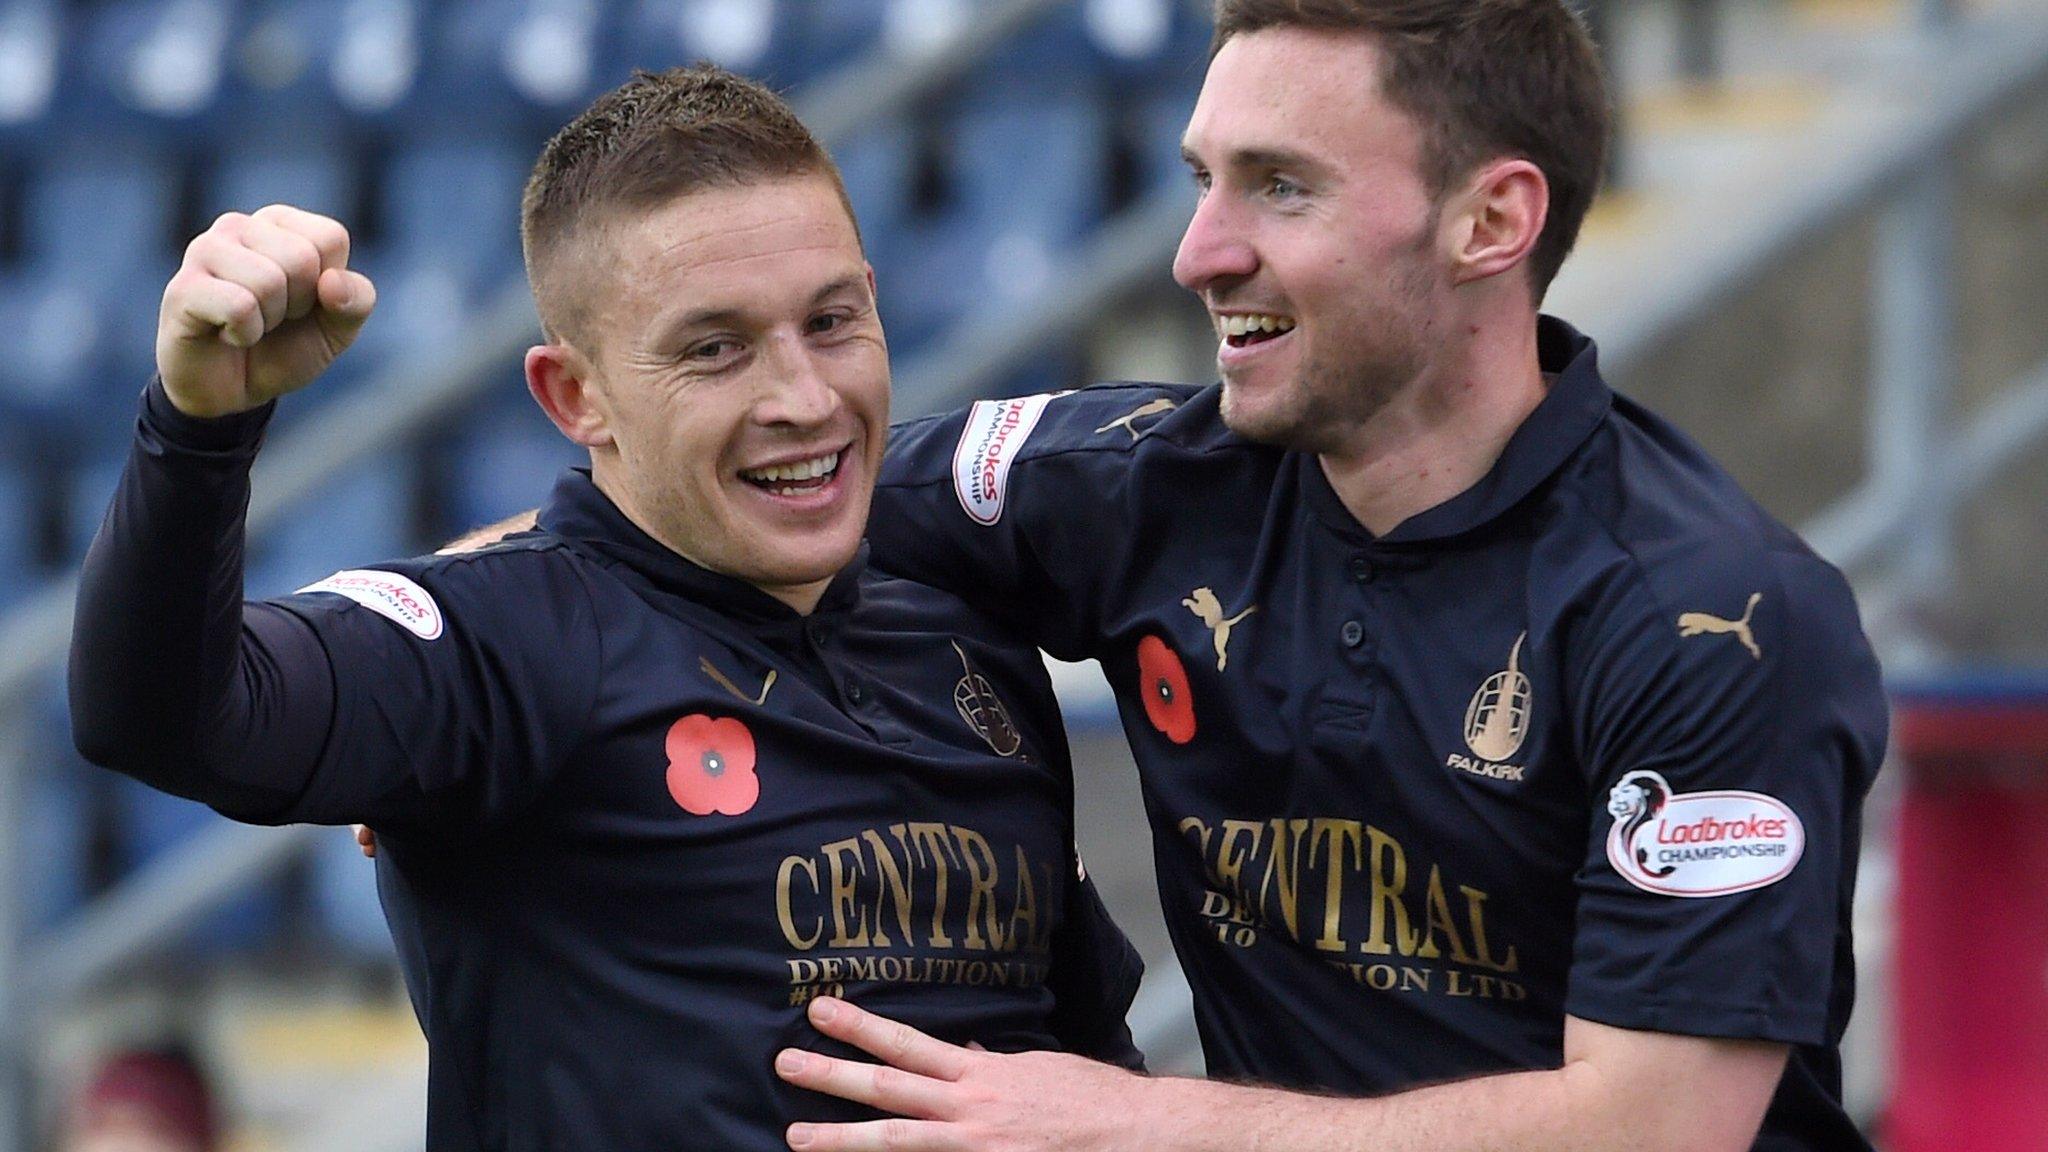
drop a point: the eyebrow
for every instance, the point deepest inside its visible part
(715, 317)
(1261, 158)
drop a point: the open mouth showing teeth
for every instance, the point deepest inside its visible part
(797, 478)
(1245, 331)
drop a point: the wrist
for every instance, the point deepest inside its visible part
(223, 433)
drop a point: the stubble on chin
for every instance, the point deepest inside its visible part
(1317, 411)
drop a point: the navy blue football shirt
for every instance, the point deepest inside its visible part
(633, 815)
(1589, 738)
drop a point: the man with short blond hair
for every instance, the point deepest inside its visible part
(654, 775)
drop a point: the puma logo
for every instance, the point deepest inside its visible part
(1702, 623)
(711, 670)
(1126, 423)
(1209, 610)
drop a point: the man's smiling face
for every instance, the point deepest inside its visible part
(1315, 245)
(739, 363)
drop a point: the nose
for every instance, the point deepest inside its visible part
(799, 393)
(1214, 251)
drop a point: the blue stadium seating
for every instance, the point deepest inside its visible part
(506, 65)
(1032, 161)
(55, 841)
(503, 458)
(31, 42)
(318, 179)
(92, 215)
(95, 232)
(344, 897)
(60, 792)
(149, 823)
(421, 306)
(377, 61)
(455, 204)
(89, 491)
(1160, 117)
(19, 501)
(879, 168)
(279, 83)
(146, 69)
(761, 38)
(359, 518)
(835, 33)
(1142, 44)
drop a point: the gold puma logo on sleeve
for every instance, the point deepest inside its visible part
(1127, 423)
(1703, 623)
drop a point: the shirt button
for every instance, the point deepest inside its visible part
(815, 631)
(854, 692)
(1361, 569)
(1353, 633)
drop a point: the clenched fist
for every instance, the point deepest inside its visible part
(262, 304)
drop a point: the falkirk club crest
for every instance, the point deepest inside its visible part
(1497, 719)
(983, 711)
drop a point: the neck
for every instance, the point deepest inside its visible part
(801, 597)
(1441, 432)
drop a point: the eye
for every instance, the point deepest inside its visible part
(1282, 188)
(711, 351)
(826, 322)
(1201, 178)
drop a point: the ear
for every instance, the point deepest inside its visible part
(1504, 208)
(560, 379)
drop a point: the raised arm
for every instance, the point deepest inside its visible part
(168, 681)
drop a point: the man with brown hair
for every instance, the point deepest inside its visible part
(1470, 834)
(654, 775)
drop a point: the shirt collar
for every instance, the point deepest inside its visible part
(577, 510)
(1577, 401)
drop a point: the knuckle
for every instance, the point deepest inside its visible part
(271, 281)
(330, 238)
(898, 1040)
(897, 1133)
(305, 261)
(208, 245)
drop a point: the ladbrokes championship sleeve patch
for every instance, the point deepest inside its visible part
(1699, 843)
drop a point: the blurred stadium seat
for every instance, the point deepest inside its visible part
(505, 65)
(19, 525)
(344, 896)
(31, 42)
(318, 177)
(146, 68)
(501, 460)
(360, 518)
(759, 37)
(149, 823)
(455, 204)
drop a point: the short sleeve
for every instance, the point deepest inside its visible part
(1728, 739)
(1021, 507)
